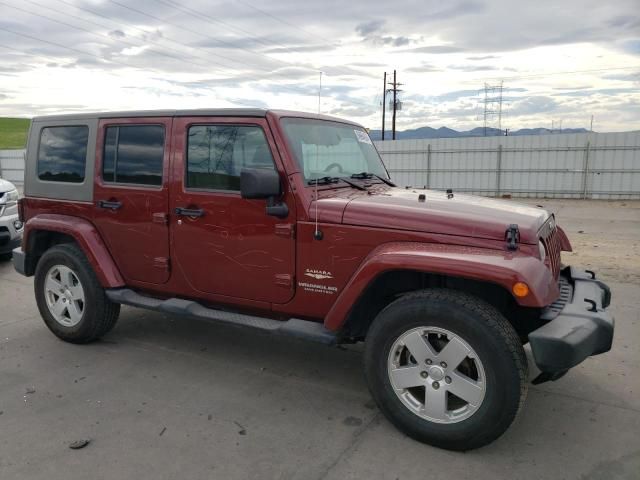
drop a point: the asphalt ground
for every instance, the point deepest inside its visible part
(163, 397)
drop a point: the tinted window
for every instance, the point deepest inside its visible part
(133, 154)
(217, 153)
(62, 155)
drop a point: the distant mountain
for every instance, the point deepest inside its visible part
(444, 132)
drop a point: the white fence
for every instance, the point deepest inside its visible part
(12, 166)
(586, 165)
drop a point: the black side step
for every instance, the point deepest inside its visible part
(293, 327)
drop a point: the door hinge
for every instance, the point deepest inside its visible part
(283, 280)
(161, 218)
(286, 230)
(162, 263)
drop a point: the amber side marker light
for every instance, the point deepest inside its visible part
(520, 289)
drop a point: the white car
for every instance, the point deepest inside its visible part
(10, 224)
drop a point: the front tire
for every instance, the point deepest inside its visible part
(70, 298)
(446, 368)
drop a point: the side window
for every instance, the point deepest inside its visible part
(133, 154)
(62, 155)
(217, 153)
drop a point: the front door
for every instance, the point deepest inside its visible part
(222, 243)
(131, 195)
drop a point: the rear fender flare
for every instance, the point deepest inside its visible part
(86, 236)
(502, 268)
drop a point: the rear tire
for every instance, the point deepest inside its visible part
(70, 298)
(460, 405)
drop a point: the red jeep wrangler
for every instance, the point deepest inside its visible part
(289, 223)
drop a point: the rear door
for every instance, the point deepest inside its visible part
(131, 195)
(222, 243)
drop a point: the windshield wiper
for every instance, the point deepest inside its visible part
(330, 180)
(367, 176)
(323, 181)
(353, 184)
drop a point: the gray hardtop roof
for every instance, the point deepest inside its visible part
(203, 112)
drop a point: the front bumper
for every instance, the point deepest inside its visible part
(578, 327)
(10, 238)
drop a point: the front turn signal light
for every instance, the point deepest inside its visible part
(520, 289)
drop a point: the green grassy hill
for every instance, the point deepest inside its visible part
(13, 132)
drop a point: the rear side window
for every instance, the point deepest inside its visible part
(133, 154)
(217, 153)
(62, 155)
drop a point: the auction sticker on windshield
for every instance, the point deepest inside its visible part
(362, 137)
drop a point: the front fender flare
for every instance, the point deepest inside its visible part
(87, 237)
(493, 266)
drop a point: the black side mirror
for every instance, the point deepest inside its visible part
(263, 183)
(259, 183)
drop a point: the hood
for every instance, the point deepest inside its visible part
(433, 212)
(6, 186)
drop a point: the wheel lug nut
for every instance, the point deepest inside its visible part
(424, 374)
(435, 385)
(428, 361)
(443, 364)
(447, 379)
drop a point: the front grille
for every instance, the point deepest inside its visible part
(566, 295)
(5, 236)
(551, 242)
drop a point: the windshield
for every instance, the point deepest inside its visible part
(331, 149)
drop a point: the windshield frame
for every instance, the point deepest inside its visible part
(309, 183)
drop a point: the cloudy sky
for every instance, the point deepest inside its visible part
(558, 61)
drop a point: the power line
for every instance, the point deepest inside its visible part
(93, 33)
(209, 18)
(203, 17)
(275, 73)
(194, 32)
(280, 20)
(226, 67)
(111, 39)
(534, 75)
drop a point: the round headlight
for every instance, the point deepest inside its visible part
(17, 224)
(542, 251)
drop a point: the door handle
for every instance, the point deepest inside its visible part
(189, 212)
(113, 205)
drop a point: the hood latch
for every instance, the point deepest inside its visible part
(512, 236)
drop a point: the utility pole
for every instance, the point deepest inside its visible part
(396, 104)
(591, 127)
(384, 101)
(393, 122)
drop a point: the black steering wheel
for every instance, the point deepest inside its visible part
(337, 166)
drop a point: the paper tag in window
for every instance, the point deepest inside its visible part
(362, 137)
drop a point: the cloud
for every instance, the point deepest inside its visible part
(423, 68)
(435, 49)
(482, 57)
(233, 54)
(367, 28)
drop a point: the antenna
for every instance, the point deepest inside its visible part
(320, 92)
